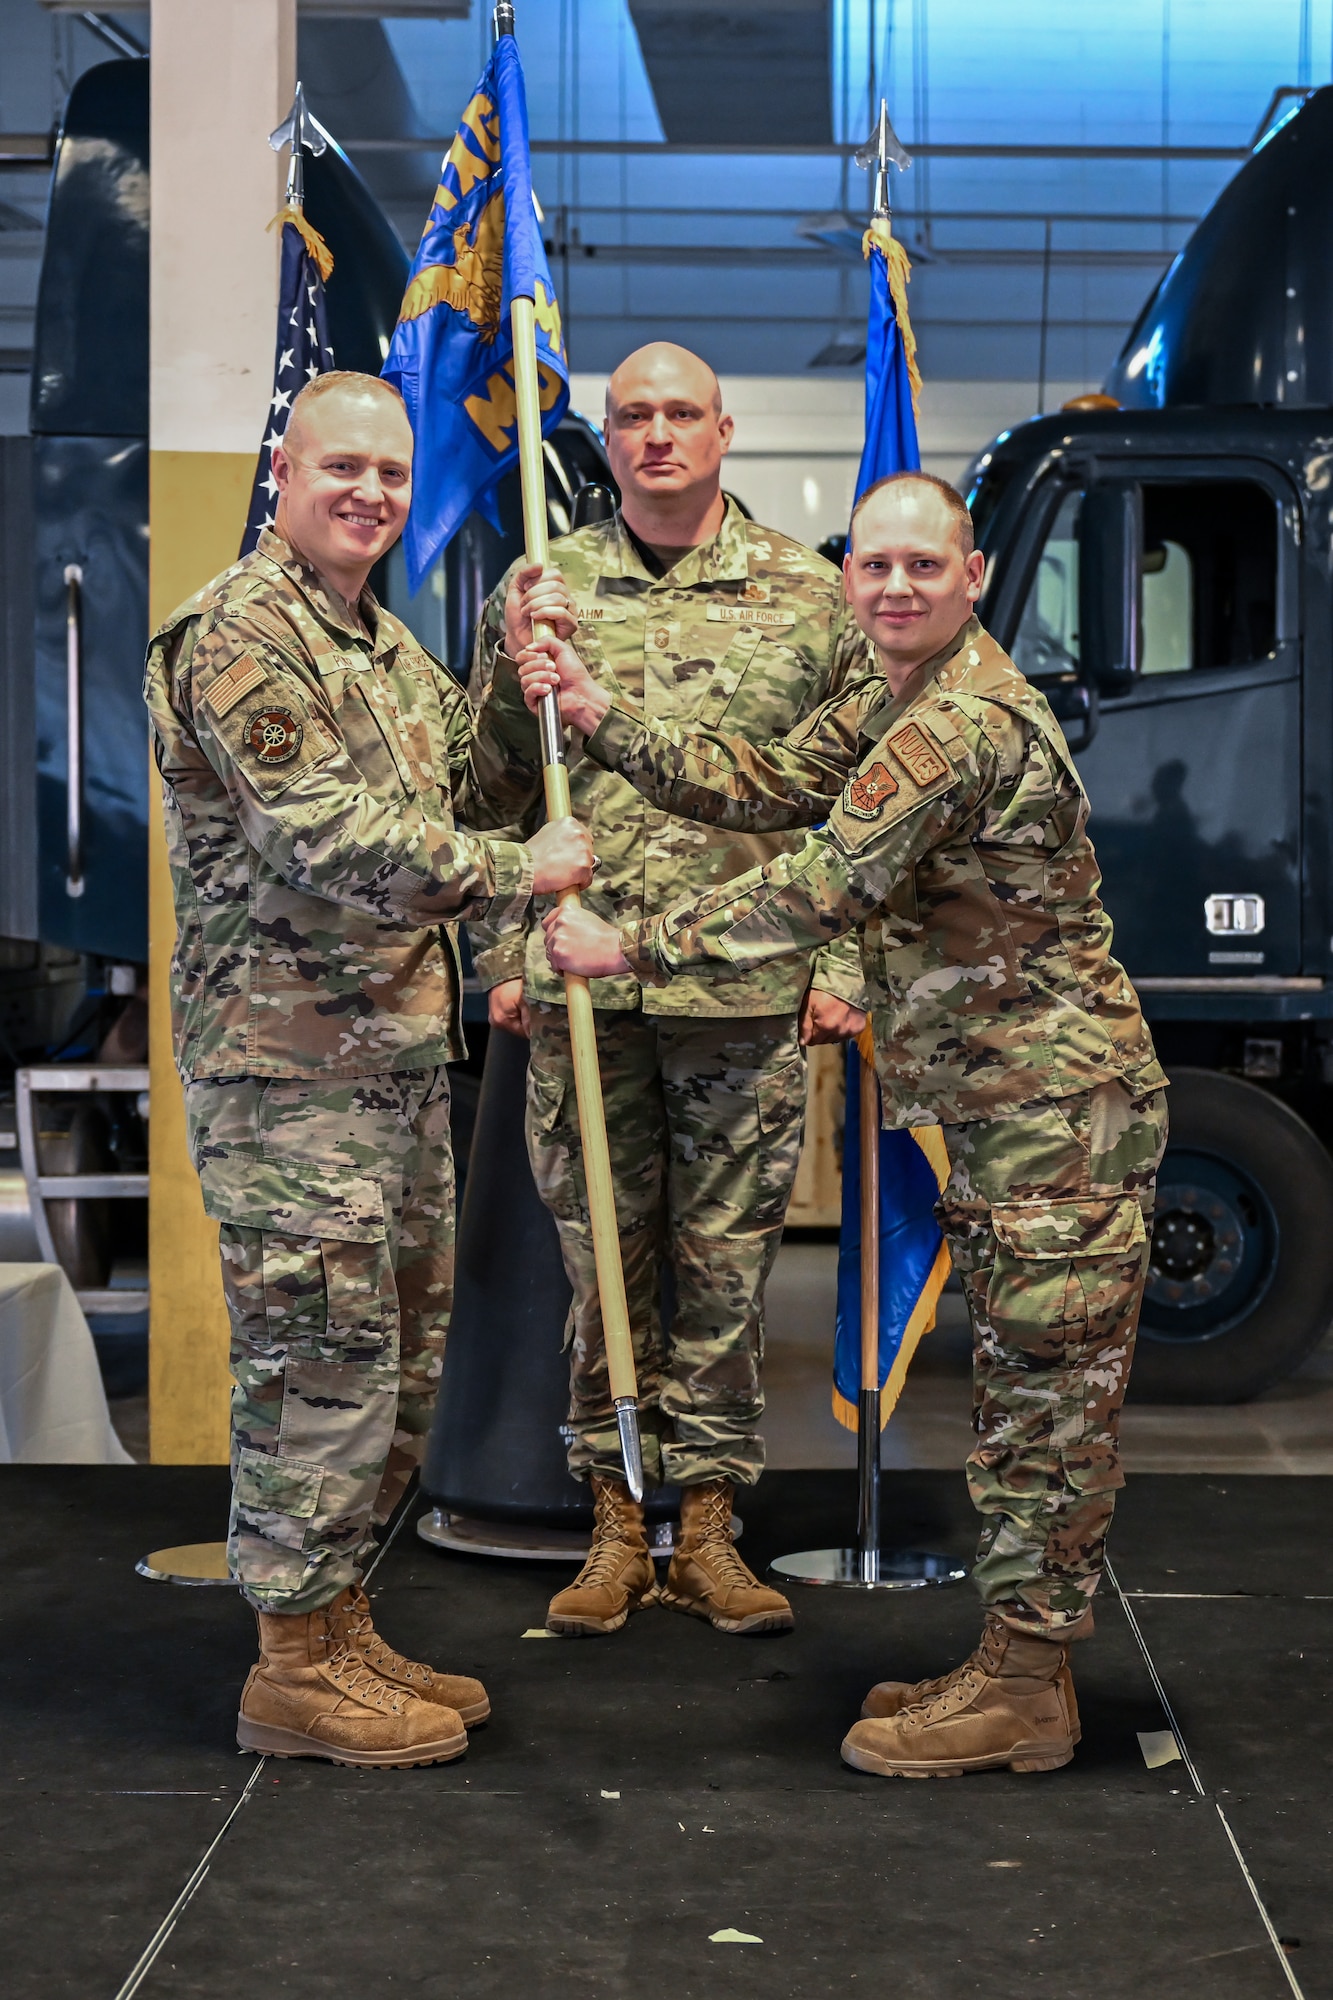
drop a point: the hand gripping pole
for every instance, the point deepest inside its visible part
(578, 996)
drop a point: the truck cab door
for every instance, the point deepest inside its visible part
(1161, 610)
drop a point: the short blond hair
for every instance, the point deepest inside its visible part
(341, 378)
(952, 498)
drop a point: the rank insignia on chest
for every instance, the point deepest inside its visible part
(274, 735)
(917, 755)
(869, 790)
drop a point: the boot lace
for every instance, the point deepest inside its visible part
(354, 1677)
(609, 1541)
(358, 1631)
(714, 1533)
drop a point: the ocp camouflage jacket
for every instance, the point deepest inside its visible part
(956, 843)
(310, 778)
(747, 633)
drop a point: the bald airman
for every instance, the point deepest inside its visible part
(685, 610)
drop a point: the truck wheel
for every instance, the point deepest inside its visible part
(1240, 1284)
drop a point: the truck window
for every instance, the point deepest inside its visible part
(1210, 549)
(1208, 573)
(1047, 639)
(1168, 609)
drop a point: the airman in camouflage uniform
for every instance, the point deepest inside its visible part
(956, 846)
(312, 759)
(704, 1083)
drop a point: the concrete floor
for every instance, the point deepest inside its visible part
(1290, 1429)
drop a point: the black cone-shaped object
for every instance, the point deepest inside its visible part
(497, 1446)
(1243, 315)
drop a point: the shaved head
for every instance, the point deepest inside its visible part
(666, 437)
(663, 367)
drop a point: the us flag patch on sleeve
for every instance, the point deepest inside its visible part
(869, 790)
(917, 755)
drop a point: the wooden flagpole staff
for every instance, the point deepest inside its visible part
(868, 1425)
(578, 994)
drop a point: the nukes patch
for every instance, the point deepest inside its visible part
(274, 735)
(917, 755)
(869, 790)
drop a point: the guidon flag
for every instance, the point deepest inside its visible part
(303, 351)
(452, 357)
(913, 1163)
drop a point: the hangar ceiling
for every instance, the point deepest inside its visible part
(743, 72)
(1062, 156)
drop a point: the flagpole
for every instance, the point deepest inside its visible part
(868, 1427)
(578, 994)
(867, 1567)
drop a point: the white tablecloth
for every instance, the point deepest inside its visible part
(52, 1405)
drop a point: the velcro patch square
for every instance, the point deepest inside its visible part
(917, 755)
(869, 790)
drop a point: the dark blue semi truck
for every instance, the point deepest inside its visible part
(1160, 560)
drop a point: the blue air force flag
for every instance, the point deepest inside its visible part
(913, 1164)
(452, 353)
(303, 351)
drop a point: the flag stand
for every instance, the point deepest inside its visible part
(868, 1566)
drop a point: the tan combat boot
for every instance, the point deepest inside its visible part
(1006, 1706)
(618, 1576)
(350, 1624)
(708, 1579)
(312, 1696)
(889, 1697)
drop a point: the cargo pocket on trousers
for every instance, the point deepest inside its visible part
(276, 1497)
(1045, 1285)
(780, 1104)
(328, 1285)
(1092, 1468)
(550, 1149)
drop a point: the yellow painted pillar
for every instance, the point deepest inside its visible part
(222, 79)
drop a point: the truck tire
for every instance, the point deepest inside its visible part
(1240, 1283)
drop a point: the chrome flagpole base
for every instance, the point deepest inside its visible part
(882, 1569)
(530, 1541)
(191, 1563)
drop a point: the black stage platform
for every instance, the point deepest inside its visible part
(635, 1795)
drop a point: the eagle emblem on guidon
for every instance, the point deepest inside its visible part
(274, 734)
(869, 789)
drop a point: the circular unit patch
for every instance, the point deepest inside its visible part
(274, 734)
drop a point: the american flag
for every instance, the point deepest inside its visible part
(303, 352)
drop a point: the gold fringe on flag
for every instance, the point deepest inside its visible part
(880, 237)
(312, 239)
(931, 1141)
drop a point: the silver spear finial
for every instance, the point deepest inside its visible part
(882, 147)
(303, 133)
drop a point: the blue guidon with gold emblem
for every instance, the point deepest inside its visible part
(452, 354)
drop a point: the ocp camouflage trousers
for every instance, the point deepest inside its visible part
(704, 1118)
(336, 1205)
(1048, 1212)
